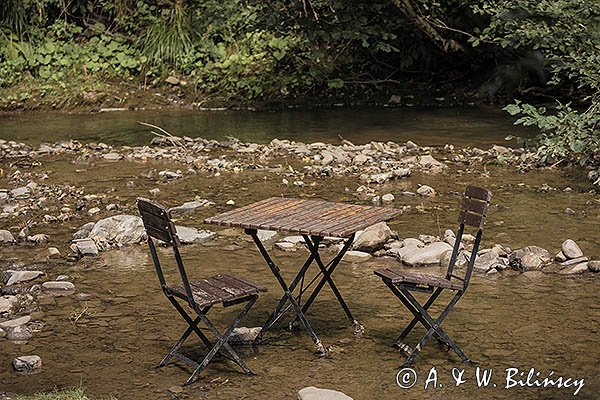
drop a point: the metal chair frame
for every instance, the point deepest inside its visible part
(158, 225)
(474, 208)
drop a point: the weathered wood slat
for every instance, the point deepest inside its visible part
(471, 219)
(233, 214)
(479, 193)
(475, 206)
(310, 217)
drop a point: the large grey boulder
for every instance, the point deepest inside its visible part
(373, 238)
(488, 261)
(571, 250)
(428, 255)
(313, 393)
(119, 230)
(530, 258)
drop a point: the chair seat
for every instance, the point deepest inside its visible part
(413, 278)
(222, 288)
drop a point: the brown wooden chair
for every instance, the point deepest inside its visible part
(473, 212)
(200, 295)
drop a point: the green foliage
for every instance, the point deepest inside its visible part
(567, 32)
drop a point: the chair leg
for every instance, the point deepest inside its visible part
(414, 321)
(433, 326)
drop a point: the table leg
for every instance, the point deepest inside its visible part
(327, 273)
(320, 349)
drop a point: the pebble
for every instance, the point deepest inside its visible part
(314, 393)
(594, 265)
(230, 203)
(154, 192)
(27, 363)
(94, 211)
(285, 246)
(13, 323)
(425, 190)
(388, 198)
(53, 253)
(356, 256)
(6, 236)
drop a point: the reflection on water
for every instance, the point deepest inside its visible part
(428, 127)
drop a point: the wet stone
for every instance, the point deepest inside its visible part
(22, 276)
(189, 235)
(13, 323)
(356, 256)
(594, 266)
(6, 236)
(373, 238)
(314, 393)
(27, 364)
(6, 303)
(425, 190)
(20, 193)
(58, 285)
(244, 335)
(571, 250)
(574, 270)
(86, 247)
(18, 333)
(285, 246)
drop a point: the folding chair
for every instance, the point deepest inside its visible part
(473, 213)
(200, 295)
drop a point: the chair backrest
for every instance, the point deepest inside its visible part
(473, 212)
(158, 225)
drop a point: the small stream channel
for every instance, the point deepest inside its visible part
(505, 320)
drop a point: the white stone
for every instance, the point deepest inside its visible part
(264, 235)
(575, 269)
(571, 250)
(6, 303)
(388, 198)
(313, 393)
(22, 276)
(356, 256)
(53, 253)
(373, 238)
(86, 247)
(428, 255)
(13, 323)
(191, 206)
(119, 229)
(293, 239)
(230, 203)
(6, 236)
(285, 246)
(425, 190)
(112, 156)
(58, 285)
(189, 235)
(244, 335)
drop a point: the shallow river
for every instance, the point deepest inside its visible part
(505, 320)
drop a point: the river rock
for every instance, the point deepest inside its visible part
(86, 247)
(20, 193)
(560, 257)
(53, 253)
(112, 156)
(191, 206)
(27, 363)
(94, 211)
(6, 236)
(575, 269)
(84, 231)
(189, 235)
(6, 303)
(529, 258)
(574, 261)
(425, 190)
(2, 333)
(428, 161)
(285, 246)
(18, 333)
(327, 157)
(594, 265)
(264, 235)
(119, 229)
(488, 261)
(360, 159)
(22, 276)
(388, 198)
(571, 250)
(58, 285)
(373, 238)
(313, 393)
(354, 256)
(244, 335)
(429, 255)
(13, 323)
(294, 239)
(3, 196)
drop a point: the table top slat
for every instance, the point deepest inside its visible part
(305, 217)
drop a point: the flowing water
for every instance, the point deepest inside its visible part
(505, 320)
